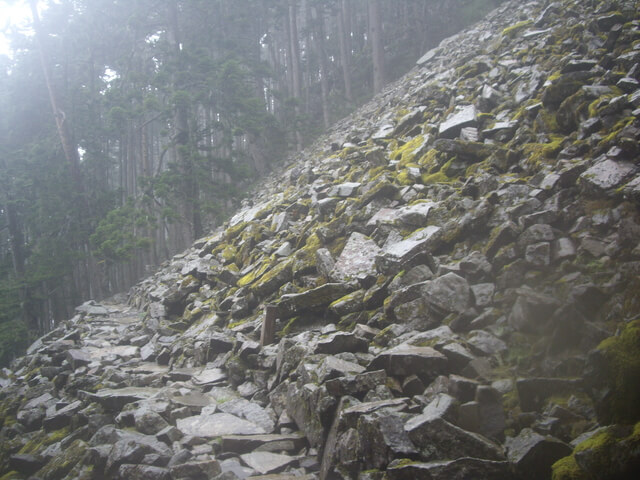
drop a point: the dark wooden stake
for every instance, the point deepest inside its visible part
(268, 333)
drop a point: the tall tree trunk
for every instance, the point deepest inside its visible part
(296, 71)
(182, 138)
(322, 62)
(295, 50)
(16, 245)
(68, 145)
(344, 34)
(377, 45)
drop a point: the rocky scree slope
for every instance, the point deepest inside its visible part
(454, 273)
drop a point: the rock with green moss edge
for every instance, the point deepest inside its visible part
(411, 150)
(608, 452)
(382, 438)
(458, 469)
(464, 117)
(405, 360)
(59, 466)
(353, 302)
(273, 279)
(310, 406)
(396, 254)
(533, 454)
(605, 175)
(144, 472)
(563, 87)
(465, 151)
(293, 304)
(612, 376)
(439, 439)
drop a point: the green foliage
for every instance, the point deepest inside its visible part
(621, 363)
(14, 338)
(117, 236)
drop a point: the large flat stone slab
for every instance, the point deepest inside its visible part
(357, 258)
(607, 174)
(209, 376)
(464, 117)
(293, 304)
(114, 399)
(267, 462)
(396, 253)
(217, 425)
(249, 443)
(405, 360)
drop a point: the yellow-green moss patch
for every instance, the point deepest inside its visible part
(514, 29)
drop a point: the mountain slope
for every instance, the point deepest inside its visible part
(454, 277)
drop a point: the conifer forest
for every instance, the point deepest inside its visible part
(130, 128)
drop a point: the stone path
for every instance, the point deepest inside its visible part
(129, 418)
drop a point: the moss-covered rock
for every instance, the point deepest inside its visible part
(614, 370)
(611, 452)
(58, 467)
(273, 279)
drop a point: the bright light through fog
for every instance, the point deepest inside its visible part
(15, 15)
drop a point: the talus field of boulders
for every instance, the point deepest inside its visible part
(448, 283)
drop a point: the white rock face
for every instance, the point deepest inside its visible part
(607, 174)
(216, 425)
(465, 117)
(357, 258)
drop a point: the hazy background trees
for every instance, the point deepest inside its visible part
(131, 128)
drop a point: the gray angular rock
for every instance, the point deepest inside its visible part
(538, 254)
(533, 454)
(143, 472)
(25, 463)
(382, 438)
(448, 293)
(347, 189)
(115, 399)
(357, 259)
(356, 385)
(63, 417)
(250, 411)
(440, 440)
(216, 425)
(309, 406)
(396, 253)
(532, 310)
(78, 358)
(196, 470)
(332, 367)
(296, 303)
(464, 117)
(267, 462)
(405, 360)
(483, 293)
(339, 342)
(131, 449)
(458, 469)
(606, 174)
(271, 442)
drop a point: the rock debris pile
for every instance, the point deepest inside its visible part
(454, 274)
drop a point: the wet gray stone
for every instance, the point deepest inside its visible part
(357, 258)
(441, 440)
(606, 174)
(533, 454)
(405, 360)
(464, 117)
(267, 462)
(216, 425)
